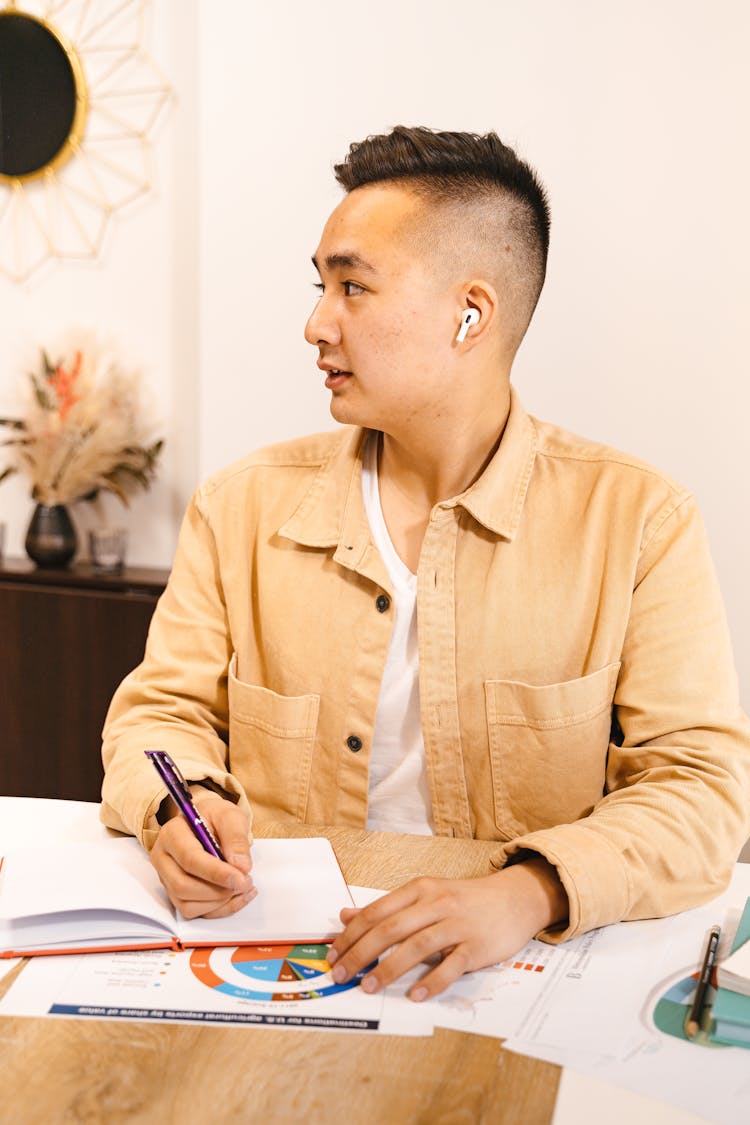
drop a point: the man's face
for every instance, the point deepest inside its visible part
(387, 317)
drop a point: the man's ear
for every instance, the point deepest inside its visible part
(479, 297)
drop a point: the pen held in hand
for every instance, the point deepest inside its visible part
(693, 1022)
(180, 794)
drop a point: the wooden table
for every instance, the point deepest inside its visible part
(110, 1073)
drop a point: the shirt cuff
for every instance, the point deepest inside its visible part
(138, 795)
(590, 869)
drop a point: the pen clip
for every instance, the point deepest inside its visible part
(175, 770)
(168, 769)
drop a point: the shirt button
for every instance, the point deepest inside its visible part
(354, 743)
(383, 603)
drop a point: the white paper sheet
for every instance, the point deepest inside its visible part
(710, 1081)
(217, 986)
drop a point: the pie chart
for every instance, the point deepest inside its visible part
(269, 972)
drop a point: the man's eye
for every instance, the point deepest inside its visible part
(351, 289)
(319, 286)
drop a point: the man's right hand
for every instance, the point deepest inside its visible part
(199, 884)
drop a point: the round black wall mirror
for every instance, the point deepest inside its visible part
(42, 96)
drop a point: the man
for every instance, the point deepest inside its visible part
(447, 617)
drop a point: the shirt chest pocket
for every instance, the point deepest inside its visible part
(548, 749)
(271, 743)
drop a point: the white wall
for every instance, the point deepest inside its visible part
(635, 115)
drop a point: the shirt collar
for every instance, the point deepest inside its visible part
(496, 499)
(331, 512)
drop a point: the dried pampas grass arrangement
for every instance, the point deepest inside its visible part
(82, 429)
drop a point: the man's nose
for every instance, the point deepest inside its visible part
(322, 326)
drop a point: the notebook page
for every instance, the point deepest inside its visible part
(79, 928)
(300, 892)
(109, 875)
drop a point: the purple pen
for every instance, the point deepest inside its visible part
(180, 794)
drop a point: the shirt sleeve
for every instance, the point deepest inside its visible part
(177, 699)
(675, 812)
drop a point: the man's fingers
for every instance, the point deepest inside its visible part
(200, 884)
(448, 970)
(231, 828)
(416, 932)
(183, 886)
(348, 913)
(422, 947)
(195, 898)
(179, 844)
(364, 920)
(223, 910)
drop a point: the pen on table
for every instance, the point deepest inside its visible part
(709, 958)
(180, 794)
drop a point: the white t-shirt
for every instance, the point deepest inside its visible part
(399, 795)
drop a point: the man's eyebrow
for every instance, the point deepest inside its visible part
(345, 261)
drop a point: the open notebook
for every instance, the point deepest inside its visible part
(77, 898)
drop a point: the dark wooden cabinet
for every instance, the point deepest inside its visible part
(67, 639)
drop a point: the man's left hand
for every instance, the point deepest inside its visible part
(469, 923)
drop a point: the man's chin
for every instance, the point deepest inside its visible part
(345, 412)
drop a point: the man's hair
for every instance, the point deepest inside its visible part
(470, 172)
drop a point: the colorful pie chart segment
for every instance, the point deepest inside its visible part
(268, 972)
(673, 1007)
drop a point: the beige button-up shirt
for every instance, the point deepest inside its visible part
(578, 697)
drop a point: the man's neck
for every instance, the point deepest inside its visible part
(417, 472)
(429, 467)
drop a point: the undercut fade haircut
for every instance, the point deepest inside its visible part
(466, 170)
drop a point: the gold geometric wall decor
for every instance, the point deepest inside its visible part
(79, 98)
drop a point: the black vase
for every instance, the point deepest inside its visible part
(51, 538)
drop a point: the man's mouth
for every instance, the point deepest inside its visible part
(335, 376)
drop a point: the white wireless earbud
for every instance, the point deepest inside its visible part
(471, 316)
